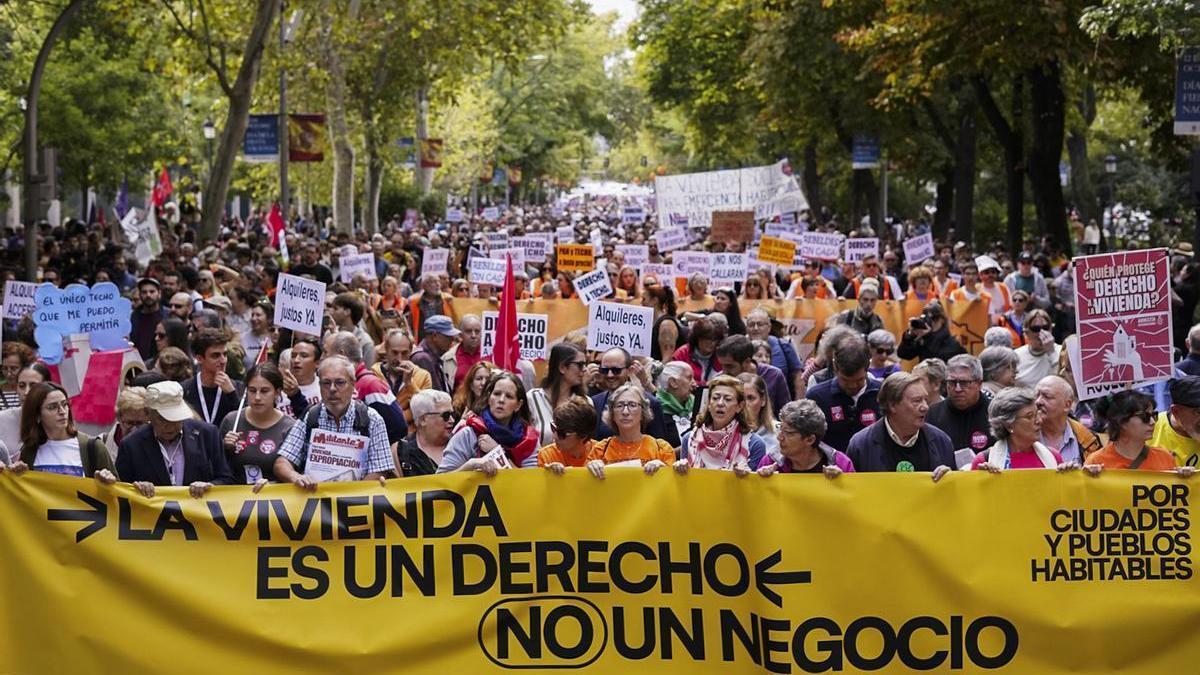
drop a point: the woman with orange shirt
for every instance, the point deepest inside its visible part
(628, 412)
(1129, 418)
(574, 425)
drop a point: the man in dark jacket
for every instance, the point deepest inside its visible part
(963, 414)
(928, 337)
(616, 366)
(849, 398)
(736, 356)
(902, 441)
(173, 449)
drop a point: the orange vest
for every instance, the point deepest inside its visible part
(1004, 292)
(885, 287)
(414, 309)
(944, 290)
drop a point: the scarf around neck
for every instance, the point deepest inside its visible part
(519, 440)
(672, 406)
(718, 449)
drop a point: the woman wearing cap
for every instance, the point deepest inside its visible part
(723, 437)
(499, 420)
(1129, 419)
(252, 438)
(51, 443)
(1017, 425)
(801, 427)
(628, 414)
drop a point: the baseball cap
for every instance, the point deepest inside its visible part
(166, 399)
(1185, 391)
(1025, 257)
(219, 302)
(440, 323)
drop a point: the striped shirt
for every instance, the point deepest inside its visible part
(379, 453)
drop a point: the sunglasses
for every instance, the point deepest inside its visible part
(611, 370)
(1040, 328)
(1146, 416)
(882, 350)
(446, 415)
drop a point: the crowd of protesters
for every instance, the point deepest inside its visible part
(229, 398)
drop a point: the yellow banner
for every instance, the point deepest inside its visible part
(1027, 572)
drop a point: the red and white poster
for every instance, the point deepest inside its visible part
(1123, 313)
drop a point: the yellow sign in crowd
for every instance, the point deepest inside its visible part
(1025, 572)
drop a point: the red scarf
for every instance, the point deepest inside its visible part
(519, 452)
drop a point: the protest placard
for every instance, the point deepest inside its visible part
(454, 215)
(686, 263)
(776, 251)
(671, 238)
(660, 271)
(575, 257)
(98, 312)
(766, 190)
(495, 240)
(532, 331)
(486, 271)
(533, 248)
(518, 257)
(732, 227)
(821, 245)
(857, 249)
(491, 214)
(1123, 318)
(593, 286)
(18, 298)
(565, 234)
(918, 249)
(787, 218)
(434, 261)
(613, 324)
(729, 268)
(355, 264)
(636, 255)
(633, 215)
(334, 457)
(299, 304)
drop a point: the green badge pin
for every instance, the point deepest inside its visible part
(906, 465)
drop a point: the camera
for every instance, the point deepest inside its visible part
(918, 323)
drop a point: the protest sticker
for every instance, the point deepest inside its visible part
(613, 324)
(593, 286)
(454, 215)
(299, 304)
(857, 249)
(533, 248)
(729, 268)
(821, 245)
(684, 264)
(356, 264)
(565, 234)
(98, 312)
(633, 215)
(491, 214)
(434, 260)
(671, 238)
(918, 249)
(1123, 314)
(732, 227)
(487, 271)
(776, 251)
(335, 457)
(18, 299)
(659, 271)
(575, 257)
(532, 332)
(636, 255)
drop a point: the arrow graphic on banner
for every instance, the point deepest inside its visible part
(97, 516)
(764, 578)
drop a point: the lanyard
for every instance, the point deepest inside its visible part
(204, 404)
(177, 445)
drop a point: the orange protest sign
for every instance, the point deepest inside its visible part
(776, 251)
(576, 257)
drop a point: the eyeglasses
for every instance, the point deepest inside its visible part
(446, 415)
(334, 384)
(160, 336)
(611, 370)
(1145, 416)
(627, 405)
(960, 384)
(882, 350)
(577, 363)
(57, 406)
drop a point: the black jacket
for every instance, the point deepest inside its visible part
(938, 344)
(140, 459)
(966, 428)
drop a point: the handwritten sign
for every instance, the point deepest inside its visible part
(18, 299)
(671, 238)
(575, 257)
(487, 271)
(299, 304)
(776, 251)
(636, 255)
(434, 262)
(99, 312)
(633, 215)
(593, 286)
(687, 263)
(518, 257)
(356, 264)
(565, 234)
(454, 215)
(613, 324)
(491, 214)
(858, 249)
(729, 268)
(533, 248)
(918, 249)
(821, 246)
(657, 270)
(732, 227)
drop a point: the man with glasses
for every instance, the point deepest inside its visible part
(963, 414)
(1070, 438)
(341, 414)
(886, 286)
(1177, 429)
(1039, 357)
(615, 369)
(1029, 279)
(180, 305)
(369, 388)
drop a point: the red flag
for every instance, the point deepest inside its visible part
(275, 221)
(162, 189)
(507, 349)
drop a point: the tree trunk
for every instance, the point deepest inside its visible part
(1083, 192)
(864, 188)
(373, 186)
(423, 176)
(965, 151)
(1012, 139)
(812, 180)
(944, 203)
(343, 151)
(1049, 129)
(236, 120)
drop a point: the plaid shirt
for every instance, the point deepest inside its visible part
(379, 455)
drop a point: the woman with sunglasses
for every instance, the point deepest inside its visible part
(51, 443)
(433, 420)
(172, 332)
(883, 353)
(252, 439)
(1014, 319)
(1017, 425)
(574, 426)
(1129, 420)
(1040, 355)
(564, 378)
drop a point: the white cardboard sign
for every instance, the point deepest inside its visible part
(593, 286)
(857, 249)
(532, 333)
(671, 238)
(299, 304)
(487, 271)
(434, 261)
(613, 324)
(918, 249)
(356, 264)
(18, 299)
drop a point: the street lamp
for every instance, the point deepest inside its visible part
(210, 132)
(1110, 171)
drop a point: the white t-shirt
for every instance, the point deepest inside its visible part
(1032, 368)
(61, 457)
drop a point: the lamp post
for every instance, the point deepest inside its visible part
(1110, 172)
(210, 132)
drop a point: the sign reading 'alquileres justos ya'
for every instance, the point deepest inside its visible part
(703, 573)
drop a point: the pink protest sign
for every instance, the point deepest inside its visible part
(1123, 313)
